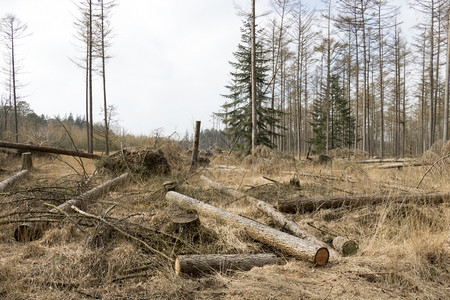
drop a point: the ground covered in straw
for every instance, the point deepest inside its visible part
(403, 247)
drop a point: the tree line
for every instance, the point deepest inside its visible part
(346, 76)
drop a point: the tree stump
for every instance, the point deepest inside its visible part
(27, 162)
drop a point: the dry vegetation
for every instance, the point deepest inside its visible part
(403, 247)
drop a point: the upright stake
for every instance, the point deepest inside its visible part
(196, 143)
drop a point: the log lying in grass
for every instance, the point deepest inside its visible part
(9, 181)
(308, 205)
(326, 177)
(287, 243)
(381, 160)
(91, 194)
(48, 150)
(400, 165)
(269, 210)
(28, 232)
(199, 264)
(345, 246)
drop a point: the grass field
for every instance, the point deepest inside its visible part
(404, 247)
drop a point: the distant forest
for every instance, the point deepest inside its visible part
(347, 76)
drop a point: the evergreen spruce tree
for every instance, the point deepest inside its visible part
(238, 108)
(342, 124)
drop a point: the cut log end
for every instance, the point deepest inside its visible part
(345, 246)
(322, 256)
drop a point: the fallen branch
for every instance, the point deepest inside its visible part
(431, 167)
(28, 232)
(269, 210)
(9, 181)
(381, 160)
(210, 263)
(48, 150)
(287, 243)
(91, 194)
(308, 205)
(401, 165)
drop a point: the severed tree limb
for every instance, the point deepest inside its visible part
(98, 218)
(431, 167)
(28, 232)
(91, 194)
(9, 181)
(210, 263)
(47, 150)
(309, 205)
(327, 177)
(285, 242)
(269, 210)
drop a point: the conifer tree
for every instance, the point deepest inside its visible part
(238, 116)
(341, 127)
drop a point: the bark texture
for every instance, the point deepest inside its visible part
(11, 180)
(308, 205)
(48, 150)
(205, 264)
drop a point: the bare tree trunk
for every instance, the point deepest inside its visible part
(91, 116)
(269, 210)
(9, 181)
(105, 107)
(210, 263)
(13, 70)
(48, 150)
(447, 83)
(253, 77)
(308, 205)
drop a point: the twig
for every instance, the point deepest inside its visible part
(122, 232)
(431, 167)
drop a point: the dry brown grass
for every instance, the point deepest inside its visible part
(403, 247)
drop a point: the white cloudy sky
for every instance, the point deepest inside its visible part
(170, 60)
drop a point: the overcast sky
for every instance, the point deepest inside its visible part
(169, 65)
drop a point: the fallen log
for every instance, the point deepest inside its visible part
(285, 242)
(48, 150)
(345, 246)
(326, 177)
(9, 181)
(269, 210)
(308, 205)
(28, 232)
(91, 194)
(199, 264)
(381, 160)
(401, 165)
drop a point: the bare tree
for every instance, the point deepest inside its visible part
(253, 76)
(105, 32)
(12, 30)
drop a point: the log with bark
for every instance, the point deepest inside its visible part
(27, 147)
(285, 242)
(345, 246)
(11, 180)
(28, 232)
(326, 177)
(272, 212)
(91, 194)
(199, 264)
(381, 160)
(308, 205)
(401, 165)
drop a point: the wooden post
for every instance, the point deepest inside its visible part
(210, 263)
(285, 242)
(27, 162)
(196, 144)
